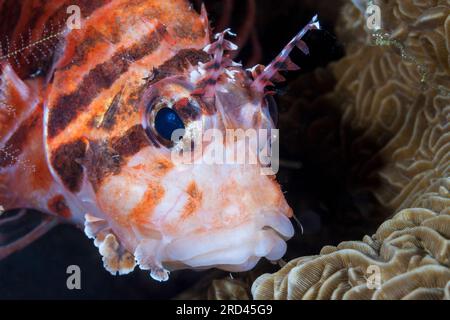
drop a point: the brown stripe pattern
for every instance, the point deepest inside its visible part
(100, 161)
(66, 161)
(100, 158)
(101, 77)
(180, 62)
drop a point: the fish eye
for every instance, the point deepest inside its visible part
(166, 121)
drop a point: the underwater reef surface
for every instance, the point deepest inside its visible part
(410, 252)
(379, 121)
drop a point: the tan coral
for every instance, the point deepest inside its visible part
(228, 289)
(402, 97)
(411, 252)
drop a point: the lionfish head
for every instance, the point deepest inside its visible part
(188, 203)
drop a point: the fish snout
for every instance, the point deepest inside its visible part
(236, 248)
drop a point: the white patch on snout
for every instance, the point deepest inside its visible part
(121, 187)
(231, 214)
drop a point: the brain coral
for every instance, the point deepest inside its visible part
(411, 252)
(404, 102)
(392, 85)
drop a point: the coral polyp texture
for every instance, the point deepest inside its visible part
(403, 102)
(410, 251)
(392, 85)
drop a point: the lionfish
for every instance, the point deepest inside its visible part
(85, 138)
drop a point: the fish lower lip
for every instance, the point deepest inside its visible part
(264, 237)
(278, 222)
(193, 245)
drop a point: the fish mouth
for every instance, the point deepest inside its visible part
(232, 249)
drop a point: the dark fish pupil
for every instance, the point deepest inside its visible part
(166, 122)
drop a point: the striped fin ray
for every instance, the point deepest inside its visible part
(282, 62)
(20, 228)
(32, 30)
(29, 51)
(215, 67)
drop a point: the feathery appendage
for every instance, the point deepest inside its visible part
(220, 61)
(26, 48)
(264, 75)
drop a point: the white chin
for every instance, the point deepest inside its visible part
(236, 249)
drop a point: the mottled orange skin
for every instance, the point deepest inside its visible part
(153, 195)
(194, 201)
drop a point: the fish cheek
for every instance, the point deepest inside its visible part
(194, 201)
(142, 213)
